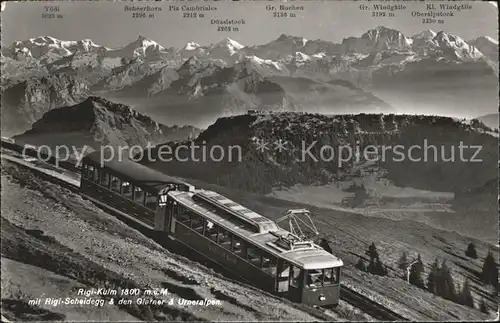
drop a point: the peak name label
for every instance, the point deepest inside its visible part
(196, 11)
(51, 12)
(143, 12)
(284, 11)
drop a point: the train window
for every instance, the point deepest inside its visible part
(314, 278)
(90, 172)
(96, 174)
(269, 263)
(225, 238)
(115, 184)
(329, 276)
(284, 272)
(151, 200)
(211, 231)
(104, 178)
(183, 215)
(197, 223)
(238, 247)
(296, 279)
(126, 189)
(254, 255)
(283, 277)
(163, 200)
(138, 195)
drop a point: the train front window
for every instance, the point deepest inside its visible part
(314, 278)
(322, 277)
(330, 276)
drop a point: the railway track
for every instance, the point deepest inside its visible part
(369, 306)
(348, 295)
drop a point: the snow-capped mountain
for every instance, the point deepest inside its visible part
(286, 45)
(297, 53)
(142, 47)
(144, 70)
(487, 46)
(48, 48)
(230, 45)
(425, 35)
(227, 49)
(191, 46)
(455, 47)
(378, 39)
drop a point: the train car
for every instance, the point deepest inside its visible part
(242, 241)
(128, 187)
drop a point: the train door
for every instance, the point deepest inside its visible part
(296, 284)
(282, 276)
(161, 212)
(172, 211)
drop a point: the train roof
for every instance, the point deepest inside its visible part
(148, 178)
(268, 237)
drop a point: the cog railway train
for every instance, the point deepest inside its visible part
(227, 233)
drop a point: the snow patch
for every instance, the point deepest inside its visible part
(301, 57)
(191, 46)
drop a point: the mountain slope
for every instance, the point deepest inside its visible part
(490, 120)
(487, 46)
(97, 122)
(26, 102)
(200, 91)
(263, 170)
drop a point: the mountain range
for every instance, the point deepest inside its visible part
(197, 83)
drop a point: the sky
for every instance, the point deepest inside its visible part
(108, 24)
